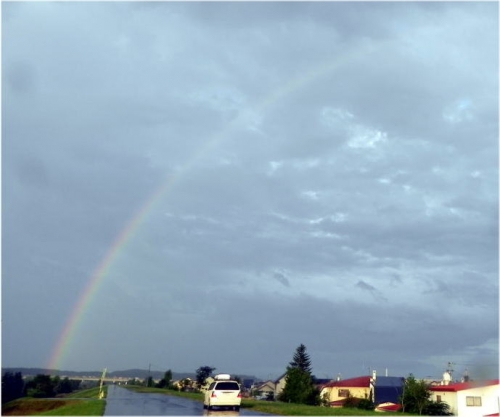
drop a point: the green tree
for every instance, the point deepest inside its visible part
(12, 386)
(416, 395)
(41, 386)
(168, 377)
(166, 380)
(301, 360)
(299, 387)
(62, 386)
(202, 373)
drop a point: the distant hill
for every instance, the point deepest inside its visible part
(128, 373)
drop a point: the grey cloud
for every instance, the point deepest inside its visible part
(364, 286)
(32, 171)
(21, 77)
(371, 289)
(281, 278)
(326, 171)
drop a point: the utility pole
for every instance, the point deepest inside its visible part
(101, 392)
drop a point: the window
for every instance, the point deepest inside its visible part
(343, 393)
(473, 401)
(229, 386)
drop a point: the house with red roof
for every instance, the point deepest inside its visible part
(384, 391)
(336, 392)
(469, 399)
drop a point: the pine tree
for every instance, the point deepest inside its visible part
(12, 386)
(299, 387)
(301, 360)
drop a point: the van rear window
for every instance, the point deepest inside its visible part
(230, 386)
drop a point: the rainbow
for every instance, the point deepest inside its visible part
(97, 277)
(76, 317)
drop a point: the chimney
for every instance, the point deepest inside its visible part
(374, 374)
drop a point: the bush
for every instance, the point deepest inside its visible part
(437, 409)
(359, 403)
(366, 404)
(351, 402)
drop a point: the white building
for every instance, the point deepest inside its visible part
(469, 399)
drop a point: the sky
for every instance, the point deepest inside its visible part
(213, 184)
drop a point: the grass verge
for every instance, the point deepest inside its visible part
(288, 409)
(79, 403)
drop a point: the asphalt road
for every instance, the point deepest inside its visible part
(124, 402)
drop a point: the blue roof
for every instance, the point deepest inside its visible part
(389, 381)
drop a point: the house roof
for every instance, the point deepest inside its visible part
(321, 381)
(389, 381)
(263, 384)
(360, 381)
(461, 386)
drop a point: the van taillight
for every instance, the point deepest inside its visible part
(239, 394)
(214, 395)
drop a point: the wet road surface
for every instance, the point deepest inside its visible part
(124, 402)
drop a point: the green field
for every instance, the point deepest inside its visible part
(78, 403)
(285, 409)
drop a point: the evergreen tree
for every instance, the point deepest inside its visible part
(12, 386)
(166, 380)
(301, 360)
(299, 387)
(168, 377)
